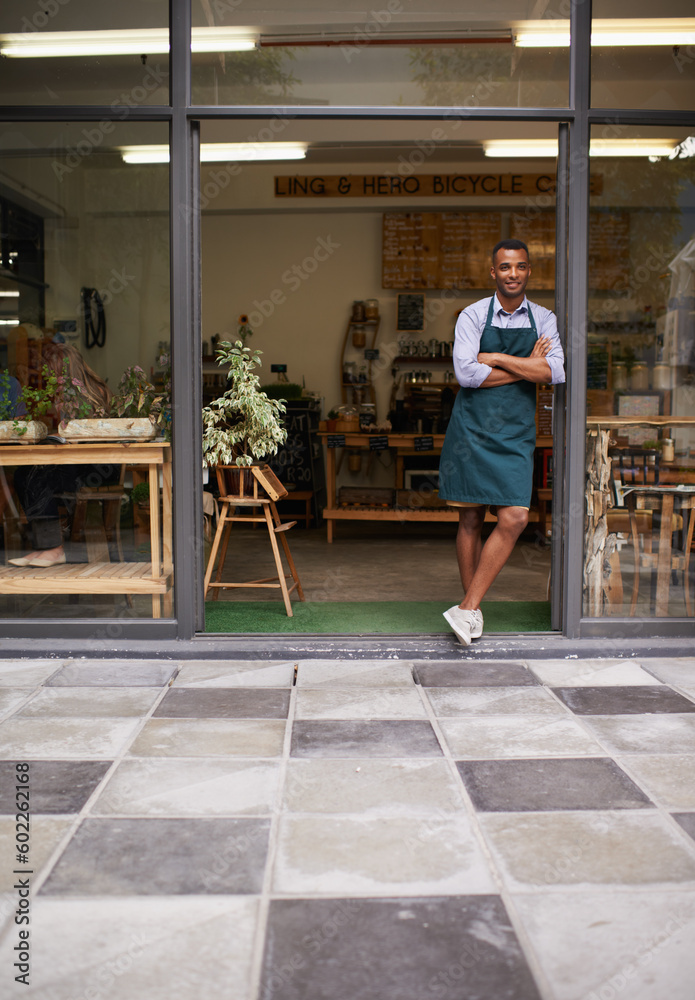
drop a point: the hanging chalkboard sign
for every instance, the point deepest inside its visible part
(411, 312)
(378, 443)
(423, 444)
(335, 441)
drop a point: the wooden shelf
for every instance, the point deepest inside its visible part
(83, 578)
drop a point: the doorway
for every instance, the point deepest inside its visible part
(371, 242)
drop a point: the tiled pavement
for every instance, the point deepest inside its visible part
(378, 830)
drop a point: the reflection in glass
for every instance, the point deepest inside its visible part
(448, 54)
(85, 410)
(640, 397)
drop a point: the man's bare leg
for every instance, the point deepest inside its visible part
(511, 521)
(469, 543)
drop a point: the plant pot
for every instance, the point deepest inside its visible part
(331, 425)
(109, 429)
(36, 430)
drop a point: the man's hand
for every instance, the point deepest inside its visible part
(487, 358)
(540, 348)
(534, 368)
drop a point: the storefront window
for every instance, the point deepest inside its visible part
(643, 62)
(64, 52)
(85, 421)
(404, 53)
(640, 493)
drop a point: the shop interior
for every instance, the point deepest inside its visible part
(340, 267)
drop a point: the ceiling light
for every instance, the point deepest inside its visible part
(221, 152)
(609, 32)
(598, 147)
(149, 41)
(9, 295)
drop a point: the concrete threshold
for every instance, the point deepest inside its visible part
(251, 646)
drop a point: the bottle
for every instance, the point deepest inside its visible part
(640, 377)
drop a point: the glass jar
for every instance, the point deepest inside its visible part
(367, 416)
(619, 375)
(371, 309)
(640, 377)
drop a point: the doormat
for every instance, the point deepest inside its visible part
(367, 617)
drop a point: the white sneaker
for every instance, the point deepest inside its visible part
(466, 624)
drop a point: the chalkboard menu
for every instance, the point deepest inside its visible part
(538, 233)
(299, 462)
(438, 249)
(411, 312)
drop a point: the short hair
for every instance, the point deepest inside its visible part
(509, 245)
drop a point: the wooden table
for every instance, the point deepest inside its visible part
(403, 445)
(154, 577)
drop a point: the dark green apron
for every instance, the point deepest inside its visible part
(487, 456)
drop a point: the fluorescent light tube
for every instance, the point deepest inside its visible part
(598, 147)
(609, 32)
(9, 295)
(146, 41)
(221, 152)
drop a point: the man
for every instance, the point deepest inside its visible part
(504, 346)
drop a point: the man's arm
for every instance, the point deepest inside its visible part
(507, 368)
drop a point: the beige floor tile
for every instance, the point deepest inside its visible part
(451, 702)
(644, 733)
(10, 698)
(159, 787)
(360, 673)
(240, 673)
(27, 673)
(57, 703)
(46, 833)
(396, 855)
(590, 673)
(371, 787)
(667, 778)
(510, 736)
(209, 738)
(177, 948)
(354, 703)
(37, 739)
(589, 848)
(635, 945)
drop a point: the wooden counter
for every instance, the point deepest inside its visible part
(403, 445)
(153, 578)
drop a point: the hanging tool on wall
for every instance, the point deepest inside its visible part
(94, 318)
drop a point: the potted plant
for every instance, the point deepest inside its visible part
(21, 408)
(139, 405)
(243, 424)
(332, 420)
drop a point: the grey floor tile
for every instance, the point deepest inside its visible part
(687, 821)
(591, 673)
(644, 733)
(140, 948)
(114, 673)
(371, 787)
(449, 947)
(151, 857)
(513, 736)
(27, 673)
(468, 673)
(40, 739)
(629, 848)
(389, 738)
(79, 702)
(347, 673)
(230, 673)
(394, 855)
(227, 703)
(353, 703)
(55, 786)
(451, 702)
(46, 834)
(636, 945)
(547, 784)
(669, 779)
(624, 700)
(166, 787)
(209, 738)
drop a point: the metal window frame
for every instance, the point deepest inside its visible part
(572, 205)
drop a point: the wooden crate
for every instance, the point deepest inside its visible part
(372, 496)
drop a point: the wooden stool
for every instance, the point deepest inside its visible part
(253, 486)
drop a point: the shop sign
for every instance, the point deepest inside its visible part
(430, 185)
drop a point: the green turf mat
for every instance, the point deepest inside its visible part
(365, 617)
